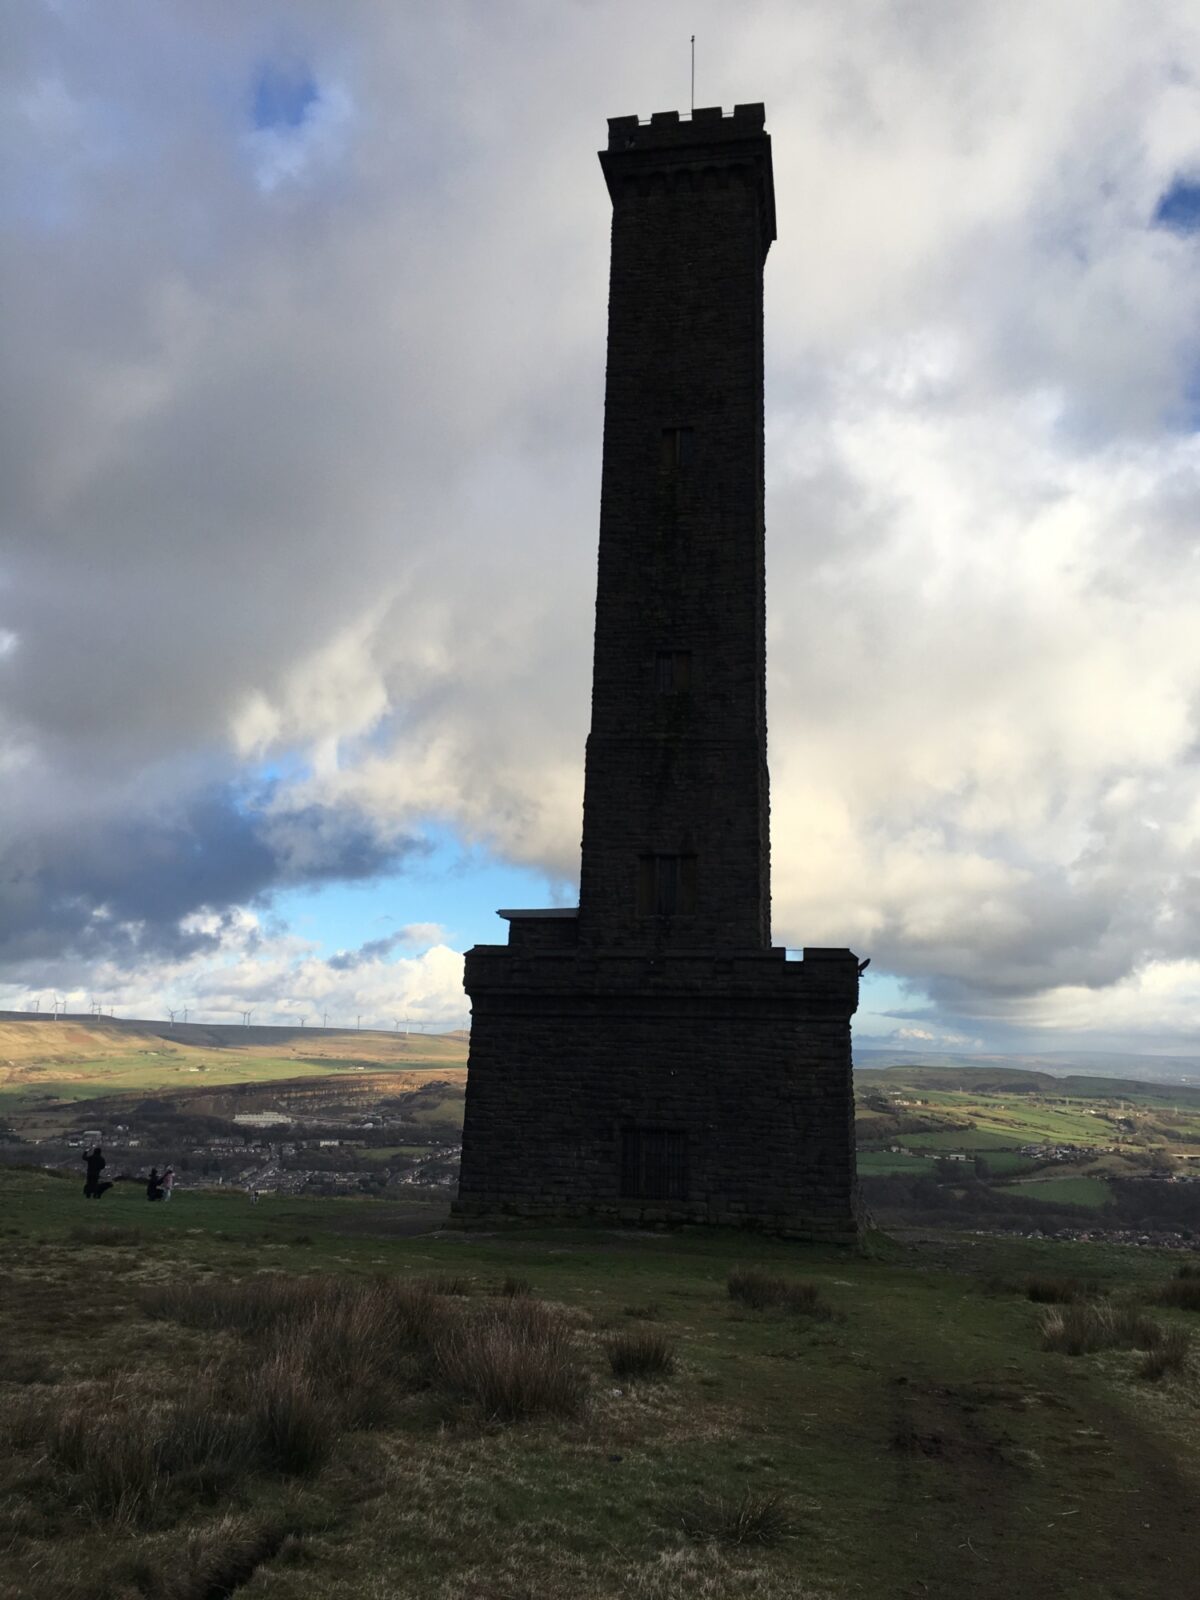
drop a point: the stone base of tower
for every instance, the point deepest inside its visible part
(684, 1088)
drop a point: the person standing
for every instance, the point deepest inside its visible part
(168, 1183)
(154, 1185)
(93, 1189)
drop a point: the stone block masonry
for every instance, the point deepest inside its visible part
(648, 1057)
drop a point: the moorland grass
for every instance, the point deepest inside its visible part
(443, 1499)
(753, 1517)
(1183, 1293)
(1080, 1329)
(1060, 1291)
(105, 1234)
(511, 1360)
(1169, 1355)
(641, 1353)
(763, 1291)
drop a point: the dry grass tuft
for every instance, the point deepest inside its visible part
(642, 1353)
(1078, 1330)
(247, 1305)
(107, 1463)
(513, 1360)
(444, 1283)
(1060, 1291)
(292, 1417)
(515, 1288)
(1183, 1292)
(751, 1518)
(1170, 1355)
(762, 1291)
(221, 1557)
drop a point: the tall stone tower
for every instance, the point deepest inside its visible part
(648, 1056)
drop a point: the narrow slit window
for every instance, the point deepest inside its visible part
(666, 885)
(678, 448)
(653, 1163)
(673, 671)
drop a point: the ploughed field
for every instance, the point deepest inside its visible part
(344, 1398)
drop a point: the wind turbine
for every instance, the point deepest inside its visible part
(304, 1019)
(171, 1014)
(324, 1019)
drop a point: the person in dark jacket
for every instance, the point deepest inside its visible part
(154, 1185)
(93, 1189)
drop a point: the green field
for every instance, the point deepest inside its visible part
(380, 1153)
(981, 1139)
(1068, 1191)
(110, 1075)
(1002, 1163)
(914, 1441)
(871, 1161)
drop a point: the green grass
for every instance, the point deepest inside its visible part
(1068, 1191)
(980, 1139)
(875, 1161)
(1005, 1162)
(110, 1075)
(378, 1154)
(784, 1456)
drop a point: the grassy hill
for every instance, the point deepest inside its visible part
(177, 1423)
(1053, 1063)
(46, 1063)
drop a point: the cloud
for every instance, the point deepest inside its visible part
(242, 966)
(373, 950)
(132, 888)
(304, 319)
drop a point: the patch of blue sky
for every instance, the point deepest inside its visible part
(1178, 208)
(283, 97)
(455, 886)
(285, 767)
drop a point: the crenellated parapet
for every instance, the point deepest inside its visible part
(708, 150)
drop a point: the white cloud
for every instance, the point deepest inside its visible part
(305, 471)
(280, 977)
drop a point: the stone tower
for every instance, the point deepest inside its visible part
(648, 1056)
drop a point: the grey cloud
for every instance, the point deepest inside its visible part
(125, 890)
(372, 950)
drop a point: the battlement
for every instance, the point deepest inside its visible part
(670, 129)
(705, 148)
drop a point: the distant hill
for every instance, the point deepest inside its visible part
(26, 1036)
(995, 1080)
(1054, 1063)
(47, 1065)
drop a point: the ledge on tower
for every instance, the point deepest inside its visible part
(555, 928)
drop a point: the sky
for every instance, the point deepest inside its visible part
(303, 310)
